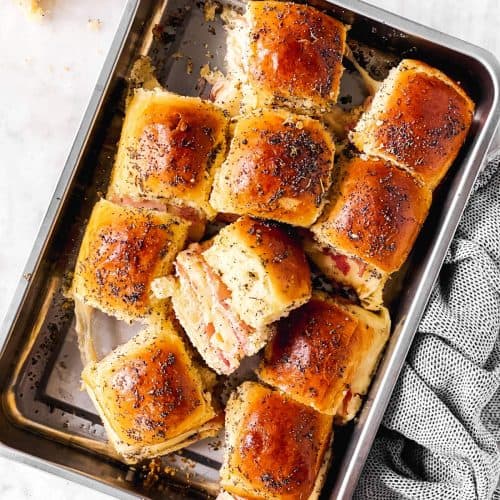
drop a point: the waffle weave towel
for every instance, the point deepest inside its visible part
(440, 433)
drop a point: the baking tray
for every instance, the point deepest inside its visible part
(45, 421)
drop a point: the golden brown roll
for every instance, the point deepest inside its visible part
(232, 288)
(374, 215)
(276, 448)
(122, 252)
(286, 54)
(418, 119)
(169, 150)
(324, 354)
(151, 397)
(279, 167)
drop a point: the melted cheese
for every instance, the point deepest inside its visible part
(84, 329)
(367, 281)
(229, 91)
(163, 288)
(371, 84)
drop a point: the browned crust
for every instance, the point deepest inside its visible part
(192, 216)
(150, 395)
(375, 213)
(310, 355)
(123, 250)
(279, 167)
(169, 148)
(295, 52)
(279, 444)
(423, 122)
(280, 253)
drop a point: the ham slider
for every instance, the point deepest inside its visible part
(418, 119)
(232, 288)
(369, 226)
(151, 397)
(169, 150)
(284, 54)
(123, 251)
(276, 448)
(324, 354)
(279, 167)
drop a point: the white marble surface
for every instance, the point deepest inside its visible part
(48, 71)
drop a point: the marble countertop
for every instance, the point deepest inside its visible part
(49, 69)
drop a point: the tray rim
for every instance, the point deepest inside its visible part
(471, 164)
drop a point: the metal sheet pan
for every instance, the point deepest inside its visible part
(44, 420)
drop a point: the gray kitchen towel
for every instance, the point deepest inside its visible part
(440, 433)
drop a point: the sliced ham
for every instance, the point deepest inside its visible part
(196, 218)
(340, 261)
(220, 305)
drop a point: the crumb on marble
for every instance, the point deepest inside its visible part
(94, 24)
(33, 8)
